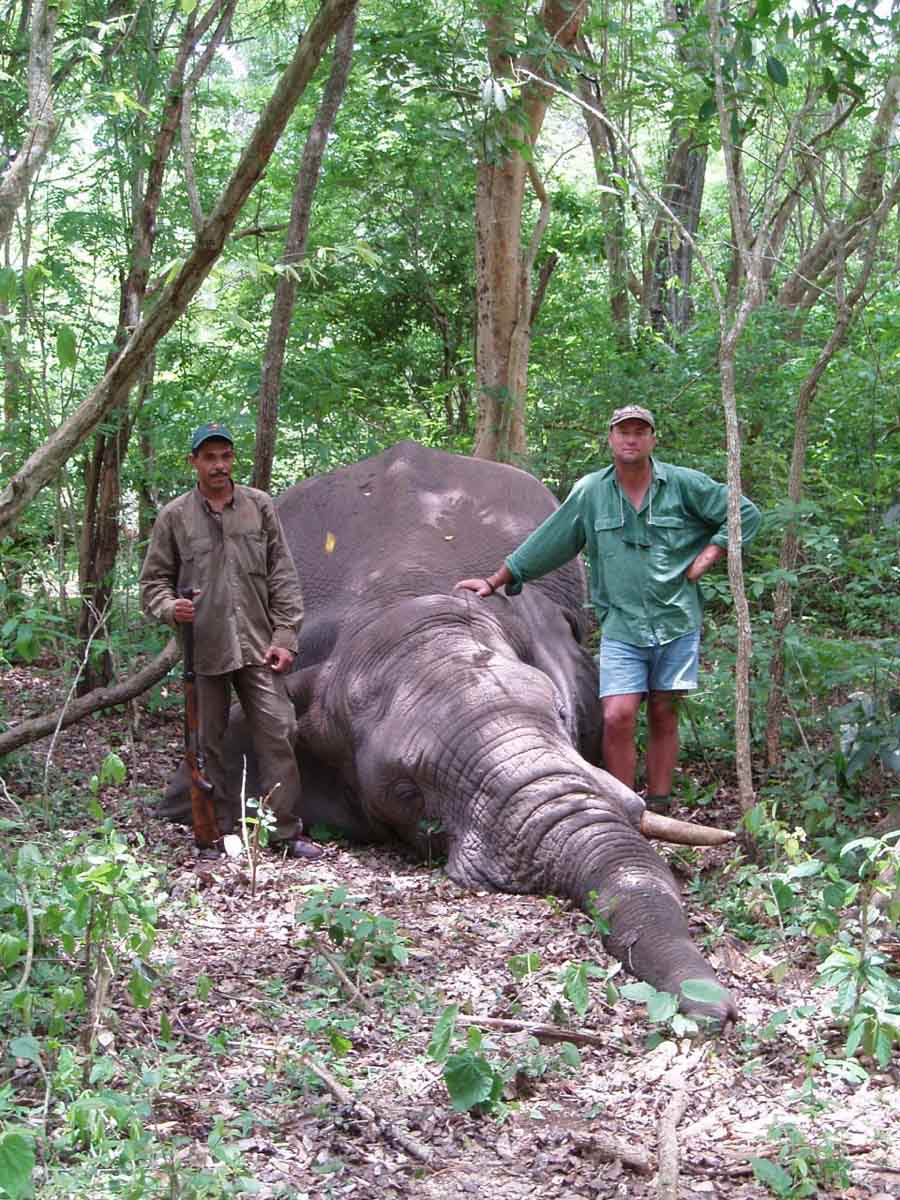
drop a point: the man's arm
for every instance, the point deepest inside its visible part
(488, 585)
(285, 596)
(709, 501)
(555, 542)
(159, 575)
(707, 558)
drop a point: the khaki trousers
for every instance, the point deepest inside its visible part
(272, 721)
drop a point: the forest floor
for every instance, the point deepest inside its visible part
(247, 1011)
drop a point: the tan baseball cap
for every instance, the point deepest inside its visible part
(632, 412)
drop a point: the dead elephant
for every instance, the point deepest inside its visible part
(422, 710)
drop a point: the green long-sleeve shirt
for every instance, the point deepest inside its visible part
(249, 595)
(638, 559)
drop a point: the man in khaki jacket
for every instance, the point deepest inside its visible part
(225, 541)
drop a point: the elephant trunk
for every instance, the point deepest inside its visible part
(543, 820)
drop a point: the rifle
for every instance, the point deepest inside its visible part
(203, 811)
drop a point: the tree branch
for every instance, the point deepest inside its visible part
(24, 732)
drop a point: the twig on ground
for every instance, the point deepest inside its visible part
(612, 1149)
(714, 1168)
(354, 995)
(667, 1152)
(412, 1147)
(7, 798)
(543, 1033)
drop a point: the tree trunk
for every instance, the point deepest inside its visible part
(610, 173)
(669, 304)
(17, 176)
(294, 249)
(503, 270)
(848, 308)
(48, 459)
(743, 761)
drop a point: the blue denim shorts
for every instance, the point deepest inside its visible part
(626, 669)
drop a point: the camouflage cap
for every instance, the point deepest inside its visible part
(632, 412)
(212, 429)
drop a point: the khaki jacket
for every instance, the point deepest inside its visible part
(239, 562)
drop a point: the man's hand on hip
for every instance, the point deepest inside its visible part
(279, 659)
(708, 555)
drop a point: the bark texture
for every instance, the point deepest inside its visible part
(503, 266)
(610, 169)
(99, 542)
(43, 124)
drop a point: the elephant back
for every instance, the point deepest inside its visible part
(412, 521)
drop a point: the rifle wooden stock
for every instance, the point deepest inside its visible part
(203, 811)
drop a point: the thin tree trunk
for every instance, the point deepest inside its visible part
(17, 176)
(37, 471)
(669, 304)
(503, 270)
(294, 250)
(610, 173)
(743, 760)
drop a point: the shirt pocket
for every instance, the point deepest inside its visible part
(252, 552)
(669, 530)
(195, 564)
(608, 529)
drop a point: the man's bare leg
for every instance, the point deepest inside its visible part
(619, 724)
(662, 747)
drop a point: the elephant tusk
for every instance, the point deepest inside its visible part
(683, 833)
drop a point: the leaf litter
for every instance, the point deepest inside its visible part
(255, 1011)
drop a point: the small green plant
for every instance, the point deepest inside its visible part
(73, 917)
(17, 1163)
(662, 1007)
(575, 985)
(801, 1168)
(481, 1080)
(361, 937)
(431, 829)
(867, 996)
(257, 827)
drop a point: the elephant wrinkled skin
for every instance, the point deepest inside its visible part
(422, 709)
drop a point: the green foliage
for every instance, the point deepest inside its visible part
(662, 1007)
(361, 937)
(803, 1167)
(16, 1163)
(479, 1077)
(73, 917)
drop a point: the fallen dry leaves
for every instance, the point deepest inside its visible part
(239, 987)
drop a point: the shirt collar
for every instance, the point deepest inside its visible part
(204, 503)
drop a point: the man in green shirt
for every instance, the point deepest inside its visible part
(650, 530)
(225, 542)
